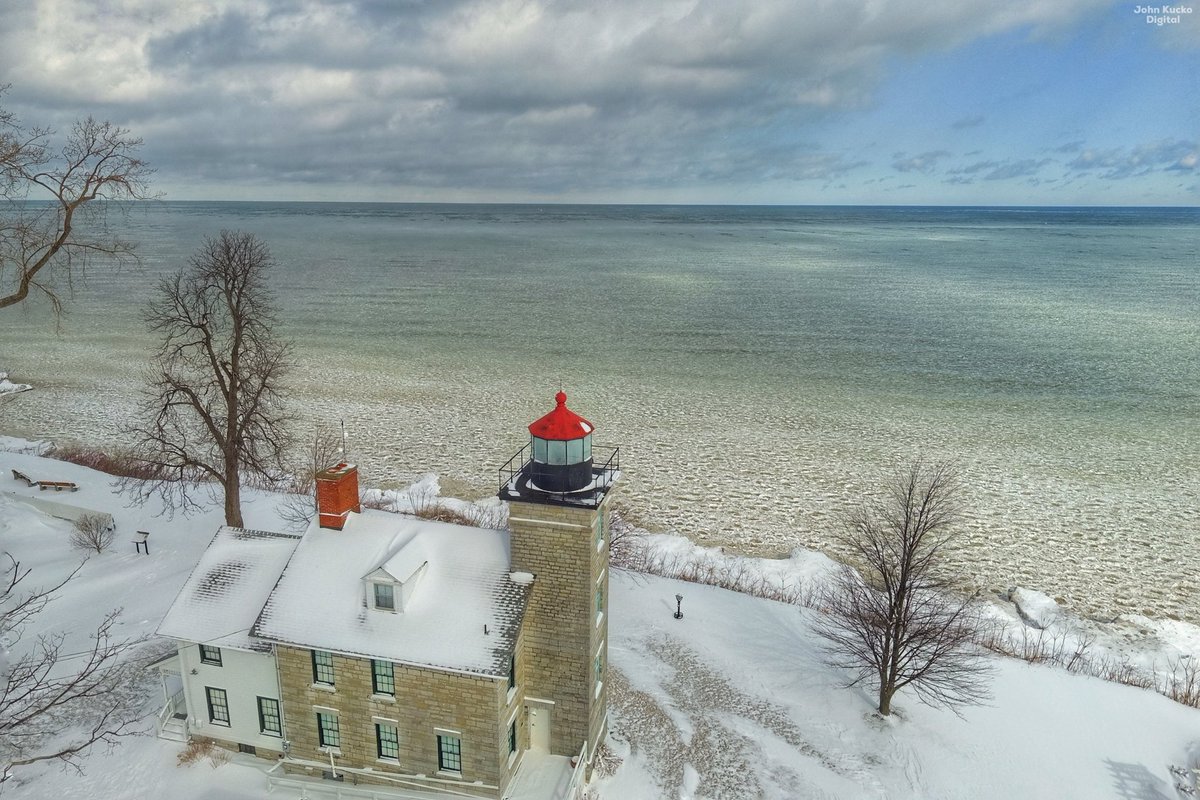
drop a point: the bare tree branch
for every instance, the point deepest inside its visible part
(899, 623)
(213, 413)
(300, 506)
(54, 706)
(44, 245)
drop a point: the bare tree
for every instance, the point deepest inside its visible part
(900, 623)
(55, 705)
(92, 532)
(44, 245)
(213, 412)
(300, 506)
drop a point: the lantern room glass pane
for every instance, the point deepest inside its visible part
(539, 449)
(587, 447)
(556, 453)
(575, 451)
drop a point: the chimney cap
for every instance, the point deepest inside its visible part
(336, 471)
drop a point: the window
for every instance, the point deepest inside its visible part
(599, 600)
(387, 741)
(383, 677)
(599, 531)
(599, 666)
(512, 671)
(268, 716)
(328, 733)
(210, 655)
(385, 596)
(449, 753)
(512, 737)
(218, 706)
(322, 667)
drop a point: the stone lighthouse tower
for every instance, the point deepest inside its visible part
(557, 487)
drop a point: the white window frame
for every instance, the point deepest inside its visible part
(512, 739)
(603, 597)
(392, 586)
(452, 734)
(383, 722)
(375, 693)
(336, 749)
(598, 667)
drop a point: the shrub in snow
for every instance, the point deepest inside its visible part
(92, 532)
(199, 749)
(119, 462)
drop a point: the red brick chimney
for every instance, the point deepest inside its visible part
(337, 495)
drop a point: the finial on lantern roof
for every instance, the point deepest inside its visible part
(561, 424)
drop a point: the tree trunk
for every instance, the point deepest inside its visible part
(233, 498)
(885, 700)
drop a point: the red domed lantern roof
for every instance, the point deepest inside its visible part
(562, 424)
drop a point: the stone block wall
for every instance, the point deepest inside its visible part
(558, 544)
(426, 701)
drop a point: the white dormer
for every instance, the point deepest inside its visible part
(391, 585)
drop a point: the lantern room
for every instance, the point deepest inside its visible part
(562, 449)
(558, 463)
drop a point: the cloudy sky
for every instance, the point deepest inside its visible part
(1043, 102)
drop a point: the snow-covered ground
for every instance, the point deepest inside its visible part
(8, 387)
(731, 701)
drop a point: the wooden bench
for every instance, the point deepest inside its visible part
(142, 542)
(57, 486)
(21, 476)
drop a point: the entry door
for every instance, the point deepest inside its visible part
(539, 728)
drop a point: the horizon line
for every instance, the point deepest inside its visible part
(532, 203)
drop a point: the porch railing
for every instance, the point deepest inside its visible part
(170, 708)
(574, 790)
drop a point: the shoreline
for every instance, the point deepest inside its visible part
(795, 578)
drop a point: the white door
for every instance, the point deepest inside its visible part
(539, 728)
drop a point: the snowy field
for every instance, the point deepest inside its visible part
(732, 701)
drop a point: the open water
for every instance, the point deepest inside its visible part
(759, 367)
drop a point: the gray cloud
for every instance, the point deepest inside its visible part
(1022, 168)
(974, 168)
(526, 97)
(1118, 163)
(967, 122)
(925, 162)
(993, 170)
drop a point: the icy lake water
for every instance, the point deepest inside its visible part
(759, 367)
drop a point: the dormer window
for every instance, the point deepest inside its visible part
(385, 596)
(390, 586)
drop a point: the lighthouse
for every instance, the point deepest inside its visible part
(558, 487)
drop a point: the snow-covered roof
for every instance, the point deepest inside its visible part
(464, 615)
(222, 597)
(406, 558)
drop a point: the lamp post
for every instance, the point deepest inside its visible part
(678, 606)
